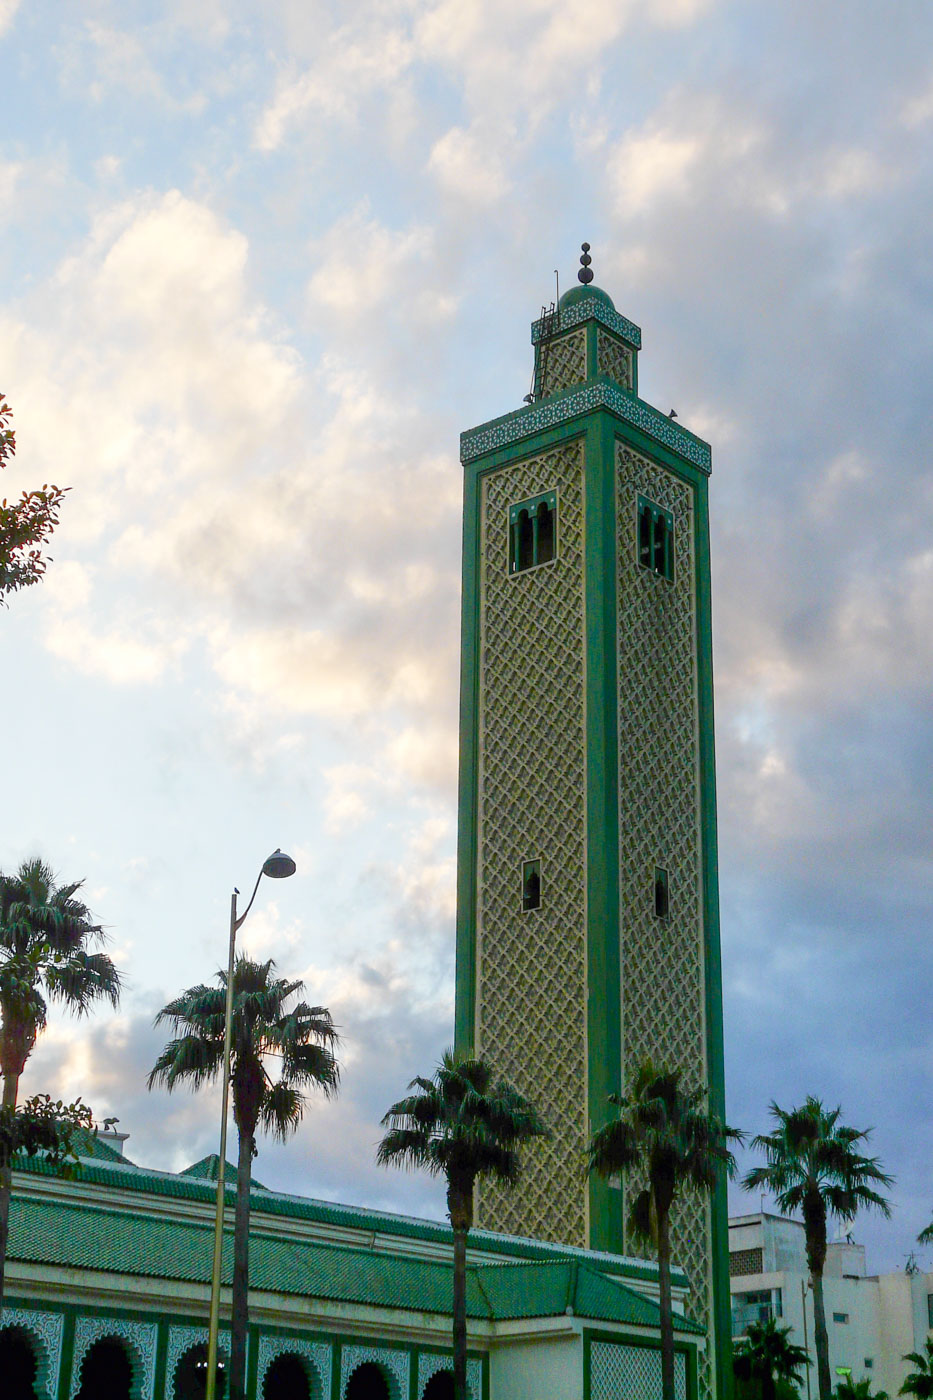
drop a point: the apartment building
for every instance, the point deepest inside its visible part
(872, 1319)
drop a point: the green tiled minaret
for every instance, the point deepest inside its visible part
(588, 920)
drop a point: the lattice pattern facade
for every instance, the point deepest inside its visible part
(659, 825)
(531, 967)
(566, 362)
(613, 358)
(632, 1373)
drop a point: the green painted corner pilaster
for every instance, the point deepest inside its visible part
(160, 1384)
(68, 1355)
(604, 1035)
(465, 1003)
(713, 968)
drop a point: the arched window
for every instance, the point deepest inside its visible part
(655, 547)
(662, 905)
(533, 532)
(368, 1382)
(286, 1379)
(106, 1371)
(18, 1364)
(439, 1387)
(190, 1381)
(531, 885)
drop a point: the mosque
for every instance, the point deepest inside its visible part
(587, 938)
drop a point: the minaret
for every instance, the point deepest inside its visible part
(588, 920)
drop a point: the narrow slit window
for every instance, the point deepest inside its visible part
(533, 532)
(531, 885)
(662, 906)
(655, 544)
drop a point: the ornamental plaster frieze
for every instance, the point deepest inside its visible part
(429, 1363)
(140, 1338)
(317, 1356)
(394, 1365)
(182, 1339)
(47, 1329)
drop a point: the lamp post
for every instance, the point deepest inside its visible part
(278, 867)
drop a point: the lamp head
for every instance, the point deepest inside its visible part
(278, 866)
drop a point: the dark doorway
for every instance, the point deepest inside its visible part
(286, 1379)
(191, 1375)
(18, 1364)
(368, 1383)
(440, 1386)
(106, 1372)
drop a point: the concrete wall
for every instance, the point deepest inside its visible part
(530, 1370)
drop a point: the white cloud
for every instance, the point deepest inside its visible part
(468, 165)
(8, 10)
(351, 68)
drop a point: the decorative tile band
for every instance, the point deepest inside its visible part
(601, 394)
(591, 309)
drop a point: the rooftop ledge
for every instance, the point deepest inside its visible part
(571, 403)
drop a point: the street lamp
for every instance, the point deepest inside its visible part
(278, 867)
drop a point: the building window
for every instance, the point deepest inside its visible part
(869, 1363)
(755, 1307)
(930, 1310)
(533, 532)
(655, 539)
(840, 1317)
(662, 906)
(531, 885)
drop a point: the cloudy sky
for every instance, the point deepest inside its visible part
(259, 265)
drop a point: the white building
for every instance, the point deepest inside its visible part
(872, 1319)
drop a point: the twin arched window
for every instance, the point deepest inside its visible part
(533, 532)
(655, 539)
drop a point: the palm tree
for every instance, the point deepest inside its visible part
(813, 1165)
(765, 1354)
(919, 1382)
(45, 933)
(462, 1124)
(848, 1389)
(665, 1133)
(266, 1023)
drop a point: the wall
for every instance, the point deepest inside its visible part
(546, 1367)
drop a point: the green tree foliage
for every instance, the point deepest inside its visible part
(848, 1389)
(664, 1133)
(767, 1355)
(813, 1165)
(45, 935)
(463, 1124)
(25, 524)
(268, 1025)
(919, 1381)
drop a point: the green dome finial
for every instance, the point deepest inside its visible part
(585, 275)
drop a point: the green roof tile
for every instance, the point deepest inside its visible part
(73, 1234)
(195, 1186)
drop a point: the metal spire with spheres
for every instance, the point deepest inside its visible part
(585, 275)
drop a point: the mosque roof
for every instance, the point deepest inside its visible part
(73, 1234)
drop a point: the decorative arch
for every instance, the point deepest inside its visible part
(46, 1329)
(182, 1339)
(430, 1362)
(140, 1340)
(317, 1358)
(393, 1364)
